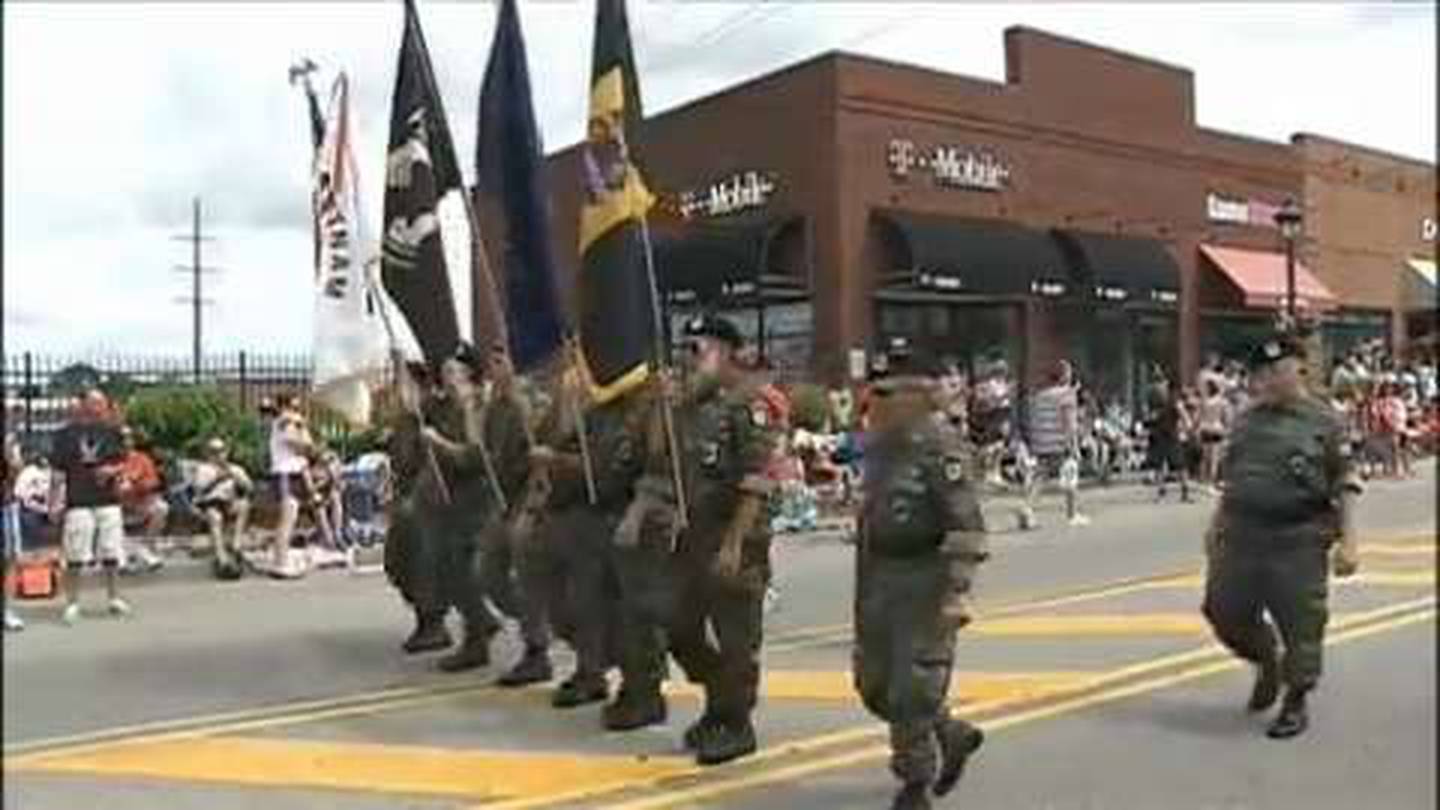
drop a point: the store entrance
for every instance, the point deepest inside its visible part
(974, 334)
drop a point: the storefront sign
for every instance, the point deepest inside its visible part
(1427, 229)
(956, 166)
(1256, 213)
(740, 192)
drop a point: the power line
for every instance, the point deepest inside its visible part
(195, 299)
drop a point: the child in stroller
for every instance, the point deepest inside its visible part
(365, 488)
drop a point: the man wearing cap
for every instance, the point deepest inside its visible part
(1284, 513)
(921, 536)
(722, 559)
(457, 523)
(222, 493)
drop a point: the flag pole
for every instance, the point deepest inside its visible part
(667, 411)
(572, 350)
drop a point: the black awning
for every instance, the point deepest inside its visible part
(1131, 269)
(707, 263)
(971, 256)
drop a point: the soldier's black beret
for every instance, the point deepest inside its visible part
(1274, 349)
(715, 328)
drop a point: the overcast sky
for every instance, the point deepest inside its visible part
(117, 114)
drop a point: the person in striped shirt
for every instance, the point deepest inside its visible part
(1054, 445)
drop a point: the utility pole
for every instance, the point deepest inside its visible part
(195, 299)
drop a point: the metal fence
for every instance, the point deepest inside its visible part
(40, 389)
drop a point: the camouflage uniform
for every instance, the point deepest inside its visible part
(505, 436)
(458, 524)
(412, 559)
(729, 437)
(921, 536)
(642, 544)
(572, 566)
(1285, 470)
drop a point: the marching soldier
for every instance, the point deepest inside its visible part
(507, 431)
(573, 567)
(412, 559)
(1284, 513)
(921, 536)
(642, 543)
(722, 560)
(458, 524)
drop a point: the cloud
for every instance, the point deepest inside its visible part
(116, 115)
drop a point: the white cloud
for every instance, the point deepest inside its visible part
(117, 114)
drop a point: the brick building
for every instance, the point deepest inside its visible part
(1075, 210)
(1370, 236)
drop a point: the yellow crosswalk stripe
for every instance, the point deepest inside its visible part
(413, 770)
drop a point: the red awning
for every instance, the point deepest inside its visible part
(1260, 275)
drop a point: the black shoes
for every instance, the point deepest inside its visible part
(580, 690)
(534, 667)
(695, 730)
(958, 741)
(1267, 687)
(1293, 718)
(724, 741)
(429, 636)
(629, 712)
(912, 797)
(472, 654)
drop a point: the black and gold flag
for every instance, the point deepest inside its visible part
(616, 319)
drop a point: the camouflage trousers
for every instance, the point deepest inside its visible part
(646, 603)
(567, 571)
(1290, 585)
(717, 626)
(903, 657)
(413, 562)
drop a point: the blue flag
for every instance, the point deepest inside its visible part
(510, 170)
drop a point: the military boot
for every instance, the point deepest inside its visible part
(1267, 686)
(579, 690)
(912, 797)
(724, 741)
(473, 653)
(695, 730)
(631, 711)
(430, 635)
(1293, 718)
(958, 741)
(533, 667)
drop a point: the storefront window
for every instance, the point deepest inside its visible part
(789, 333)
(972, 334)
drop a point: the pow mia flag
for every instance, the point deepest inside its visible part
(419, 169)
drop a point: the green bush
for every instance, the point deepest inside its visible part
(179, 419)
(809, 408)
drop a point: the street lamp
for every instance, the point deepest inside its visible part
(1288, 219)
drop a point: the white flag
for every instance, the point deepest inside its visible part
(350, 347)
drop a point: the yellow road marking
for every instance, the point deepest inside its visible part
(966, 687)
(1111, 624)
(871, 732)
(689, 796)
(1399, 549)
(413, 770)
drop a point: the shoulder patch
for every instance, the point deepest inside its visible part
(954, 470)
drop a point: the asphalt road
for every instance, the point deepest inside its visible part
(1089, 666)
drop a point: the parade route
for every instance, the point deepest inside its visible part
(1076, 629)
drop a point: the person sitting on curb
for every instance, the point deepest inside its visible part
(222, 492)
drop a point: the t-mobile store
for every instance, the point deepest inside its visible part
(1074, 210)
